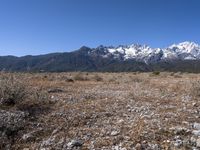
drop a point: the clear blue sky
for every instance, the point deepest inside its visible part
(45, 26)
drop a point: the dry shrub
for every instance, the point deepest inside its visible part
(156, 73)
(112, 80)
(137, 130)
(172, 74)
(137, 79)
(12, 90)
(80, 77)
(15, 93)
(69, 80)
(195, 89)
(36, 103)
(97, 78)
(177, 75)
(102, 142)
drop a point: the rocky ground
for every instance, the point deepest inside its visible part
(100, 111)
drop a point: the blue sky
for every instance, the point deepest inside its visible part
(45, 26)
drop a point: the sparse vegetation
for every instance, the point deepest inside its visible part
(80, 77)
(132, 110)
(156, 73)
(16, 92)
(195, 90)
(12, 90)
(97, 78)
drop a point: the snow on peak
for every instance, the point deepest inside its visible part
(185, 51)
(186, 46)
(132, 51)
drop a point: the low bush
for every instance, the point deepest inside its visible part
(16, 94)
(195, 89)
(98, 78)
(156, 73)
(12, 90)
(80, 77)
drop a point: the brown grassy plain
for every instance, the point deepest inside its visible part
(108, 110)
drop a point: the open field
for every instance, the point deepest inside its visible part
(111, 111)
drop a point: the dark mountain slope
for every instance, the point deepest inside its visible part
(99, 59)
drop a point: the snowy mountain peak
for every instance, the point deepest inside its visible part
(186, 50)
(182, 51)
(185, 46)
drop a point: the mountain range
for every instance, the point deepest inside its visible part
(184, 57)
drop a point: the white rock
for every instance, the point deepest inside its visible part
(114, 133)
(50, 141)
(120, 121)
(196, 132)
(194, 104)
(27, 137)
(138, 146)
(198, 143)
(75, 143)
(196, 126)
(178, 143)
(193, 140)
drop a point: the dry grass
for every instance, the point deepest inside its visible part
(12, 90)
(140, 106)
(17, 93)
(195, 89)
(81, 77)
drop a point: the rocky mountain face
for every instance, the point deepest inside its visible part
(177, 57)
(183, 51)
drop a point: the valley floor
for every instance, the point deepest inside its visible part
(104, 111)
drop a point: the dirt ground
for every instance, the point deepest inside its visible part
(108, 111)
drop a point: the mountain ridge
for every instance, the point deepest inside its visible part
(185, 50)
(134, 57)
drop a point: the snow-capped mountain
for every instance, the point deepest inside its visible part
(183, 57)
(186, 50)
(182, 51)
